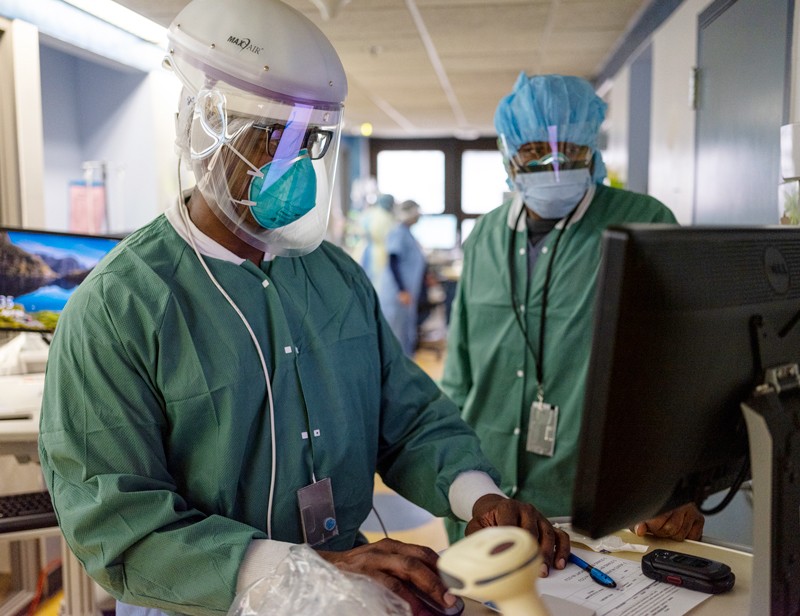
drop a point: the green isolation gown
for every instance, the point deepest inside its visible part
(490, 370)
(155, 434)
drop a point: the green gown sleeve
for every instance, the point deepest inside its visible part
(133, 532)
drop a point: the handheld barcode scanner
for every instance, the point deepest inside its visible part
(498, 564)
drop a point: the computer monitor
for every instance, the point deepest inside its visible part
(436, 231)
(39, 270)
(689, 323)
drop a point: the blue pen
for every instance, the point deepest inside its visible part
(597, 575)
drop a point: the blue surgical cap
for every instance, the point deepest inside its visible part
(551, 107)
(385, 201)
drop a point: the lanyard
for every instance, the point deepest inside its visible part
(545, 291)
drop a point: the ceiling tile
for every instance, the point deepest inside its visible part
(482, 46)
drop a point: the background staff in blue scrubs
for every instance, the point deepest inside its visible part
(403, 282)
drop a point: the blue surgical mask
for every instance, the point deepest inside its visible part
(287, 197)
(551, 198)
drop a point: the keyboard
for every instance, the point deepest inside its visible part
(26, 511)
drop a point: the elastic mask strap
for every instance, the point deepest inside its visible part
(213, 163)
(255, 171)
(245, 202)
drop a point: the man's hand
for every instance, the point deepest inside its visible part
(682, 523)
(399, 567)
(494, 510)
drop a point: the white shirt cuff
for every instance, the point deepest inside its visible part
(260, 560)
(467, 488)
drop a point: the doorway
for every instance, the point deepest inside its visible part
(743, 84)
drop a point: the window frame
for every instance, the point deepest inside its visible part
(453, 154)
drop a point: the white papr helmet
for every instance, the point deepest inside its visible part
(261, 83)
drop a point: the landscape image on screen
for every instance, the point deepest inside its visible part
(38, 273)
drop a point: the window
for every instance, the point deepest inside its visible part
(413, 174)
(436, 231)
(462, 179)
(483, 181)
(466, 228)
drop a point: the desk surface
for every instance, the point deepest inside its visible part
(732, 603)
(20, 404)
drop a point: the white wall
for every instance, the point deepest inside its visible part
(63, 150)
(105, 97)
(794, 109)
(121, 116)
(672, 123)
(672, 138)
(21, 156)
(672, 127)
(790, 191)
(615, 155)
(164, 89)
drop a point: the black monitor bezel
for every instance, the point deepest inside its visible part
(598, 508)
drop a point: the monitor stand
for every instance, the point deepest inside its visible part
(772, 415)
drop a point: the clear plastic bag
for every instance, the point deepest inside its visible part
(305, 583)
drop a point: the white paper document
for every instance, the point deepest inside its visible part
(635, 594)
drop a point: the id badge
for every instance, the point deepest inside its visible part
(317, 513)
(542, 429)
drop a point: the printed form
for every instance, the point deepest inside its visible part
(635, 594)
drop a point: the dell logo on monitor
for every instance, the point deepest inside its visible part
(776, 269)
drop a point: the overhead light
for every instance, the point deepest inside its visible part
(366, 129)
(123, 18)
(329, 8)
(467, 133)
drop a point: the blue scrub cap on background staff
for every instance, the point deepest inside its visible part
(539, 103)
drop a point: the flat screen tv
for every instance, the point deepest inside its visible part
(39, 270)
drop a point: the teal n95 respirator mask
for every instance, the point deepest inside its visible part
(283, 193)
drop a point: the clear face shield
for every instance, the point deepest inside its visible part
(266, 166)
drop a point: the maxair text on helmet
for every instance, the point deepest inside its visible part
(244, 44)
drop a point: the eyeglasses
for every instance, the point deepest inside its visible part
(316, 140)
(538, 156)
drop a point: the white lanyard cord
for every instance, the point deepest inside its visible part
(184, 214)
